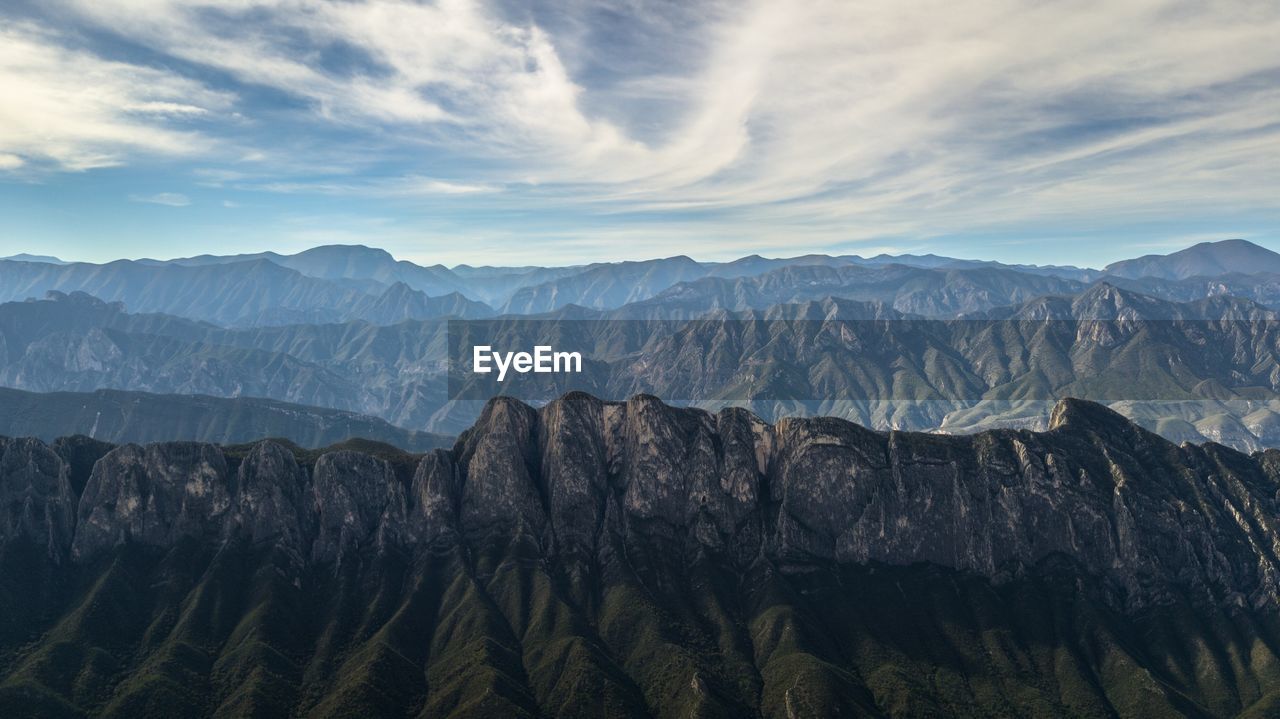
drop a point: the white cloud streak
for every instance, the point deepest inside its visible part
(168, 199)
(412, 186)
(72, 110)
(856, 116)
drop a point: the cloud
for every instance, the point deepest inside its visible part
(10, 162)
(169, 199)
(848, 119)
(72, 110)
(410, 186)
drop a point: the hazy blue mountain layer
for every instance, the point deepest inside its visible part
(250, 293)
(1207, 259)
(344, 283)
(121, 417)
(863, 361)
(353, 329)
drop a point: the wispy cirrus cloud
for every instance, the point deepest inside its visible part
(168, 199)
(402, 187)
(70, 109)
(828, 120)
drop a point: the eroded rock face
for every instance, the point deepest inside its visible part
(435, 493)
(153, 495)
(269, 501)
(357, 502)
(36, 499)
(501, 488)
(588, 484)
(1122, 502)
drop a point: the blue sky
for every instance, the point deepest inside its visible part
(562, 132)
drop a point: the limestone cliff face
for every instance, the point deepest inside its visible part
(588, 483)
(36, 499)
(357, 502)
(269, 498)
(153, 495)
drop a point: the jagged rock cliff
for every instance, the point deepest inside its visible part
(668, 560)
(36, 498)
(578, 473)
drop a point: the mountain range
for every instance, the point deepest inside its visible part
(344, 283)
(1208, 369)
(355, 330)
(140, 417)
(250, 293)
(267, 485)
(634, 559)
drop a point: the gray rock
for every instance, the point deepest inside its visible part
(36, 499)
(601, 487)
(269, 501)
(358, 503)
(435, 495)
(153, 495)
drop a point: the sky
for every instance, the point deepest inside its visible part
(1049, 132)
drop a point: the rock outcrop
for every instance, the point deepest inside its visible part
(590, 558)
(36, 499)
(578, 474)
(154, 495)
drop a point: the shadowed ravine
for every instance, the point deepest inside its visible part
(591, 558)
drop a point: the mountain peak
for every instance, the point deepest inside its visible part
(349, 250)
(80, 299)
(1106, 301)
(1205, 259)
(344, 253)
(1075, 414)
(399, 290)
(40, 259)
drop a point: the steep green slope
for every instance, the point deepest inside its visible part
(244, 632)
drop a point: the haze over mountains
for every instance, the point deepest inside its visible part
(353, 329)
(141, 417)
(341, 283)
(1033, 554)
(1207, 259)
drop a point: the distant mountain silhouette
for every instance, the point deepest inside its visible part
(26, 257)
(247, 292)
(337, 283)
(1207, 259)
(140, 417)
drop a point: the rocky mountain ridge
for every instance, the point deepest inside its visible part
(1119, 500)
(634, 559)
